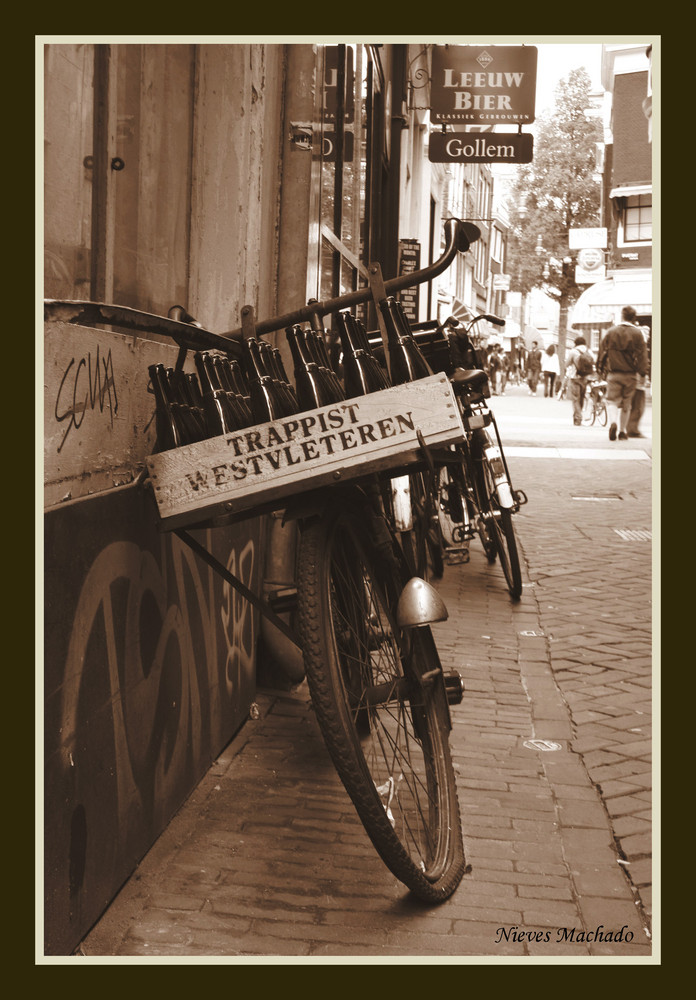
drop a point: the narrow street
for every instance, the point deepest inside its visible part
(552, 749)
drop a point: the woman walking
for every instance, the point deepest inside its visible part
(550, 368)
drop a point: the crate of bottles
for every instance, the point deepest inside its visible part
(218, 456)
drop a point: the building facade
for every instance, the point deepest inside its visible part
(209, 177)
(627, 195)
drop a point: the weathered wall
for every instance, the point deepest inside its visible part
(150, 658)
(149, 662)
(236, 182)
(149, 672)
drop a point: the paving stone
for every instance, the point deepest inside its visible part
(276, 863)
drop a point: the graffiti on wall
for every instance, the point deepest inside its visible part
(161, 658)
(86, 384)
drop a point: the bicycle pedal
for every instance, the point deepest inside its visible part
(282, 600)
(456, 557)
(454, 686)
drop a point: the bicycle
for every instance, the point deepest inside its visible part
(473, 485)
(594, 408)
(381, 696)
(562, 388)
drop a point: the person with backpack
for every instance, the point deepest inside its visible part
(580, 368)
(623, 362)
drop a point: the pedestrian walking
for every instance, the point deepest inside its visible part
(533, 368)
(638, 404)
(580, 367)
(550, 367)
(495, 368)
(622, 361)
(506, 372)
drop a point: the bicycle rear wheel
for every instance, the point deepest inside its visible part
(588, 409)
(380, 703)
(497, 519)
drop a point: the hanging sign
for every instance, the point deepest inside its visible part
(477, 147)
(579, 239)
(483, 84)
(590, 266)
(409, 260)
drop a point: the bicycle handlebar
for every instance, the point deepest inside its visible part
(459, 237)
(496, 320)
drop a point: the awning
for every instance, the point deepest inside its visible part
(600, 304)
(629, 190)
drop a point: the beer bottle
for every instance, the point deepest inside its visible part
(168, 432)
(189, 419)
(378, 371)
(311, 386)
(405, 358)
(222, 415)
(237, 403)
(357, 377)
(288, 398)
(316, 351)
(283, 375)
(266, 401)
(239, 389)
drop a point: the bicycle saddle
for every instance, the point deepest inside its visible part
(469, 380)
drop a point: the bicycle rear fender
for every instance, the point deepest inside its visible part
(493, 454)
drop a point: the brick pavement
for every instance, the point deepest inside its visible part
(267, 858)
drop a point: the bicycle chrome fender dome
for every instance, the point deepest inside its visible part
(420, 604)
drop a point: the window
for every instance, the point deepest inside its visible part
(351, 172)
(481, 273)
(637, 219)
(497, 247)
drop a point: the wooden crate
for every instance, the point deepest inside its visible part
(268, 463)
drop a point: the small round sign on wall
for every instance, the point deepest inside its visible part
(590, 258)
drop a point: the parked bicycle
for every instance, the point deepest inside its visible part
(473, 484)
(381, 696)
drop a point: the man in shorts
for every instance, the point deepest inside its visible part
(622, 361)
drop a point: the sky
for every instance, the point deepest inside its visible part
(556, 60)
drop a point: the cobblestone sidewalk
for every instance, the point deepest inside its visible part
(267, 858)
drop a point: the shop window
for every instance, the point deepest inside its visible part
(636, 220)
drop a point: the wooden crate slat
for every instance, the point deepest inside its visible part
(267, 462)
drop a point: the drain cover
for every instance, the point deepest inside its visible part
(630, 535)
(541, 745)
(600, 496)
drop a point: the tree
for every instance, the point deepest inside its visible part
(557, 192)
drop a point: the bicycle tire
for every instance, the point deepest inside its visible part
(589, 410)
(482, 507)
(453, 511)
(498, 519)
(601, 414)
(374, 709)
